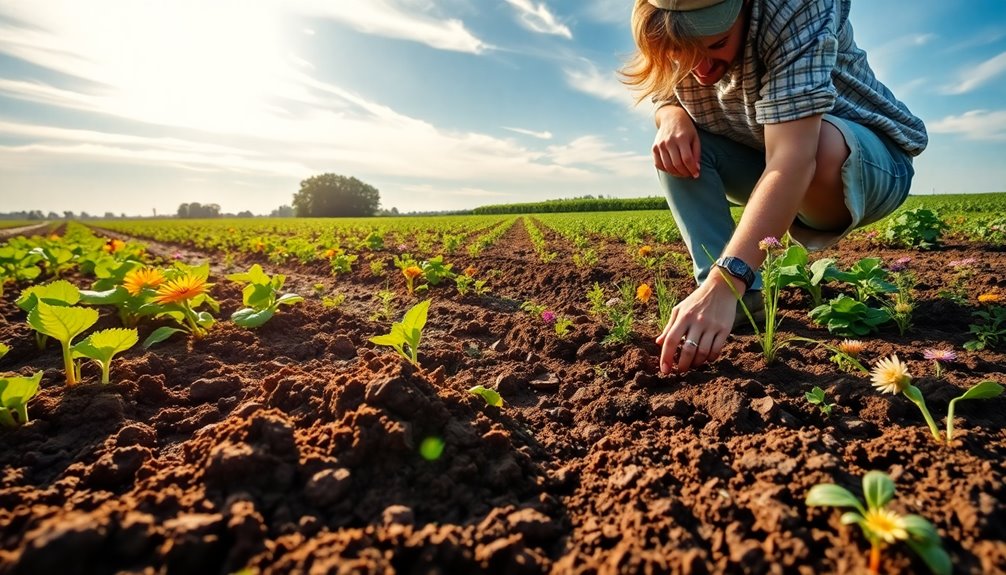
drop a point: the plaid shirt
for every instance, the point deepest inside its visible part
(799, 60)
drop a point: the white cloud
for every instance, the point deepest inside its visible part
(609, 11)
(594, 153)
(974, 125)
(584, 76)
(885, 58)
(546, 135)
(540, 19)
(975, 76)
(386, 18)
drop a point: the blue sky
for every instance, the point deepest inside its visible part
(140, 105)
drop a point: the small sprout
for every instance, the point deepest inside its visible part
(407, 333)
(260, 296)
(15, 391)
(491, 396)
(431, 448)
(333, 301)
(101, 346)
(889, 375)
(880, 525)
(562, 326)
(984, 390)
(816, 397)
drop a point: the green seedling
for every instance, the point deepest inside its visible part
(436, 271)
(794, 271)
(491, 396)
(102, 346)
(984, 390)
(562, 326)
(406, 334)
(846, 317)
(917, 228)
(816, 397)
(63, 323)
(260, 296)
(596, 298)
(15, 391)
(333, 301)
(880, 525)
(532, 308)
(4, 348)
(990, 332)
(57, 293)
(386, 298)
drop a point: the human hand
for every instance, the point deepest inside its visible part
(698, 328)
(676, 148)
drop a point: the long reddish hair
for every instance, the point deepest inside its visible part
(665, 52)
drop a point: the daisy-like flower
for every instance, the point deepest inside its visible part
(890, 375)
(182, 288)
(645, 251)
(643, 292)
(112, 246)
(852, 347)
(412, 272)
(140, 278)
(990, 298)
(944, 355)
(769, 243)
(886, 524)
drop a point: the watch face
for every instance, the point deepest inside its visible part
(736, 267)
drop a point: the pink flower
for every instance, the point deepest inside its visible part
(769, 243)
(900, 264)
(548, 316)
(944, 355)
(176, 255)
(964, 263)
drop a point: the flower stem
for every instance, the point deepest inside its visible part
(875, 559)
(913, 394)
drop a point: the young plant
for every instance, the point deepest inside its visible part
(889, 375)
(406, 334)
(342, 263)
(436, 271)
(990, 332)
(847, 317)
(917, 228)
(794, 271)
(15, 391)
(869, 278)
(984, 390)
(59, 293)
(596, 298)
(532, 308)
(817, 397)
(846, 355)
(562, 326)
(666, 300)
(959, 289)
(333, 301)
(491, 396)
(386, 299)
(880, 525)
(101, 346)
(260, 296)
(620, 314)
(63, 323)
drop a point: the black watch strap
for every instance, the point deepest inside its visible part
(737, 268)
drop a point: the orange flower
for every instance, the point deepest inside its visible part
(990, 298)
(181, 288)
(54, 237)
(645, 251)
(643, 292)
(112, 246)
(330, 253)
(140, 278)
(470, 271)
(412, 272)
(258, 246)
(852, 347)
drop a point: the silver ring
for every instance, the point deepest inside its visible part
(690, 342)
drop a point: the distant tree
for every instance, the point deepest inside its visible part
(68, 214)
(197, 210)
(245, 214)
(282, 212)
(109, 216)
(52, 216)
(332, 195)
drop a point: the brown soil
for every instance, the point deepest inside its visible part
(294, 448)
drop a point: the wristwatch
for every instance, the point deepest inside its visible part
(737, 268)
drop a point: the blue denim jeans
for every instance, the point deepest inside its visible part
(877, 177)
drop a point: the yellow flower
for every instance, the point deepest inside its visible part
(412, 272)
(470, 271)
(852, 347)
(888, 525)
(181, 288)
(890, 375)
(645, 251)
(990, 298)
(258, 246)
(54, 237)
(140, 278)
(643, 293)
(330, 253)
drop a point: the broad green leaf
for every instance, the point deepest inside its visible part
(822, 269)
(832, 495)
(14, 395)
(984, 390)
(254, 275)
(258, 296)
(934, 557)
(113, 296)
(921, 530)
(4, 348)
(850, 517)
(491, 396)
(59, 292)
(878, 489)
(415, 318)
(103, 345)
(248, 317)
(396, 337)
(61, 322)
(160, 334)
(205, 320)
(289, 299)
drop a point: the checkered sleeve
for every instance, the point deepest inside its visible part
(799, 46)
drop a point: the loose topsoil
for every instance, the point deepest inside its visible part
(294, 448)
